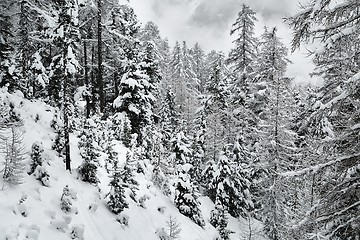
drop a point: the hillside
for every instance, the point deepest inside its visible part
(40, 217)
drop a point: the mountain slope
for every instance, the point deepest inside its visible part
(32, 211)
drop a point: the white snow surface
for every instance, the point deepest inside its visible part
(90, 218)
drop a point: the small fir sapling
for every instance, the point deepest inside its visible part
(117, 201)
(66, 200)
(126, 136)
(59, 142)
(127, 176)
(219, 219)
(185, 197)
(123, 219)
(36, 155)
(89, 154)
(77, 231)
(159, 179)
(111, 155)
(143, 199)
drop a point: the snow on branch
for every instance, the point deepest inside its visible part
(318, 167)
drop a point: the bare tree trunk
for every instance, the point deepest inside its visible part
(87, 98)
(66, 127)
(100, 79)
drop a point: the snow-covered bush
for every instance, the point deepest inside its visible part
(143, 199)
(77, 232)
(61, 224)
(36, 155)
(88, 151)
(66, 200)
(117, 201)
(93, 207)
(185, 198)
(123, 219)
(162, 234)
(42, 175)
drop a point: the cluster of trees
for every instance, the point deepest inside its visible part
(230, 127)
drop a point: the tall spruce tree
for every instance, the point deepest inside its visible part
(65, 65)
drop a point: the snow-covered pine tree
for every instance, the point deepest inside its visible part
(229, 186)
(117, 200)
(36, 155)
(64, 65)
(335, 211)
(219, 219)
(87, 26)
(216, 106)
(88, 151)
(127, 175)
(198, 60)
(40, 78)
(185, 196)
(27, 47)
(66, 200)
(137, 88)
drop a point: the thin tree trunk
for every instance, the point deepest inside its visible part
(66, 118)
(66, 127)
(93, 105)
(87, 98)
(100, 80)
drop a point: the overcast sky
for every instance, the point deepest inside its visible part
(209, 22)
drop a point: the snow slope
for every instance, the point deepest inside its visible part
(39, 215)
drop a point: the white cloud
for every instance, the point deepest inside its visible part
(209, 22)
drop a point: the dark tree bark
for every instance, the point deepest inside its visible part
(87, 97)
(100, 80)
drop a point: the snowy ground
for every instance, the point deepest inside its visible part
(39, 215)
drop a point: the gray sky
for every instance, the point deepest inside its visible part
(209, 22)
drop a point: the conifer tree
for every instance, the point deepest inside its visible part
(185, 198)
(65, 64)
(335, 212)
(66, 200)
(127, 175)
(117, 201)
(242, 57)
(6, 47)
(88, 151)
(36, 152)
(219, 219)
(278, 150)
(229, 187)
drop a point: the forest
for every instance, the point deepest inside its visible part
(229, 126)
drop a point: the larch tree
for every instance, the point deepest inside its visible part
(243, 55)
(277, 149)
(336, 26)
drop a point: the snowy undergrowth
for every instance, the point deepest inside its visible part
(32, 211)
